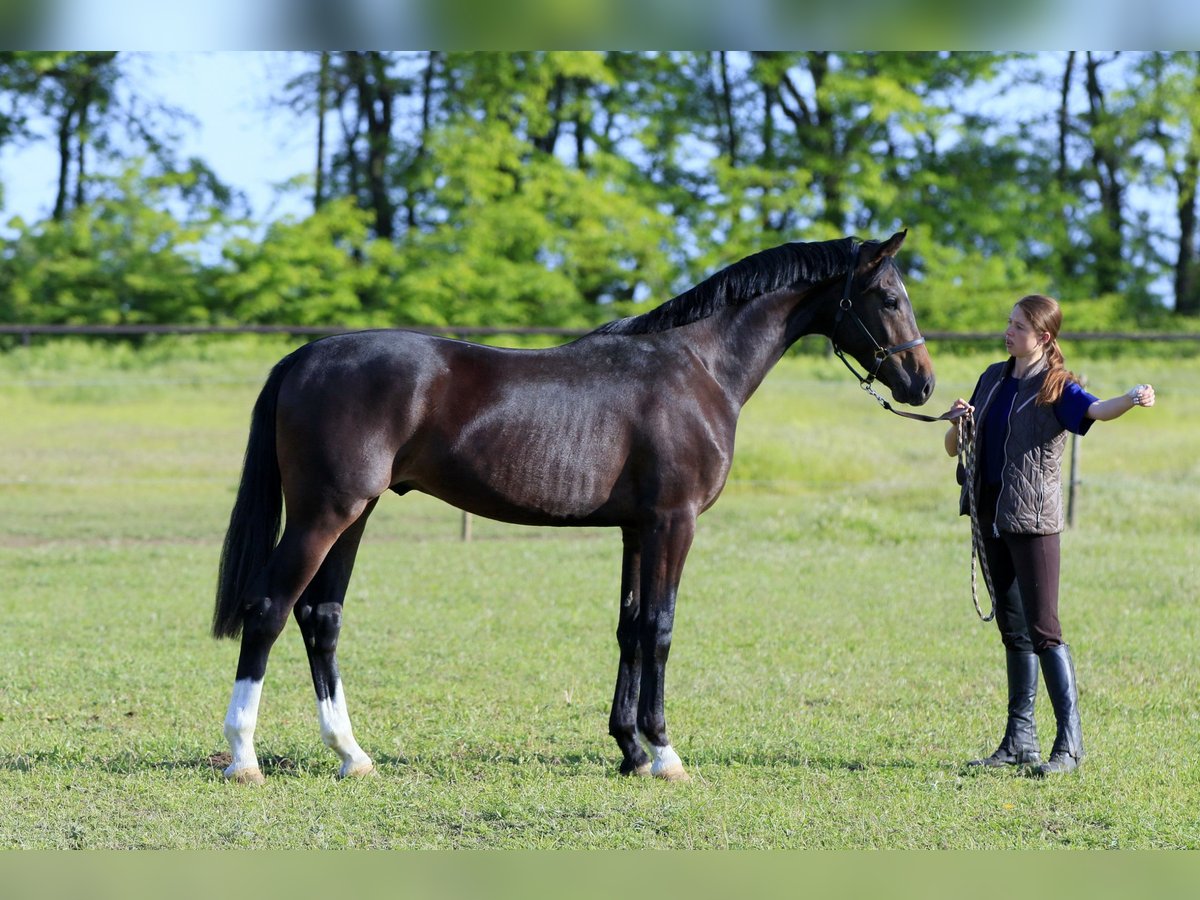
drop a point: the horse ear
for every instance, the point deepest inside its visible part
(887, 249)
(892, 244)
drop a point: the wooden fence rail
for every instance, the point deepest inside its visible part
(27, 331)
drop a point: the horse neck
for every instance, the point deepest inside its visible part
(751, 337)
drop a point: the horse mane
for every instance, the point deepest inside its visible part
(758, 274)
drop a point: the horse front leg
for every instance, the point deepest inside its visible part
(665, 544)
(622, 724)
(319, 615)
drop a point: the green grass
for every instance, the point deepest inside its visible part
(828, 674)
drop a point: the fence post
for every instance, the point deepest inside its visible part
(1074, 481)
(466, 526)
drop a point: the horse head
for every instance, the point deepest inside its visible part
(874, 323)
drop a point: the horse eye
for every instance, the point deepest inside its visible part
(890, 302)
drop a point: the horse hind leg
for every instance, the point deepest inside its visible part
(319, 615)
(241, 720)
(269, 602)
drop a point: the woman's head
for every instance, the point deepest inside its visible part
(1043, 314)
(1037, 319)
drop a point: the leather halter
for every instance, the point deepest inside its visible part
(846, 306)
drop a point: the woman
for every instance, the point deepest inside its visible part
(1022, 409)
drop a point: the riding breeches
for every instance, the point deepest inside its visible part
(1024, 571)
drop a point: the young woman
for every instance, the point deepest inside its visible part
(1022, 409)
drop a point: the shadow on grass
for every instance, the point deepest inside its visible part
(129, 763)
(470, 763)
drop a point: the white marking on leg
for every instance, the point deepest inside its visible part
(339, 737)
(240, 722)
(666, 763)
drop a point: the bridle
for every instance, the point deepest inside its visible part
(846, 309)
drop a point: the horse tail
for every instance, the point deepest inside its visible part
(257, 512)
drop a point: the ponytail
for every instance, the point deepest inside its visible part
(1057, 375)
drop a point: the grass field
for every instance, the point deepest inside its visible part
(828, 675)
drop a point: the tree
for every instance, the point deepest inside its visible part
(134, 254)
(559, 187)
(1171, 108)
(360, 89)
(75, 90)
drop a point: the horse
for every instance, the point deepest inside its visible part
(629, 426)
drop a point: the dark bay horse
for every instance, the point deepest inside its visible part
(630, 426)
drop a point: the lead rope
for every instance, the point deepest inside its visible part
(966, 458)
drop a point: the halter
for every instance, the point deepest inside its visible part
(845, 306)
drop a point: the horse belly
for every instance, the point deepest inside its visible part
(563, 467)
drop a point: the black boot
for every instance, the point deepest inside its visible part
(1019, 746)
(1059, 672)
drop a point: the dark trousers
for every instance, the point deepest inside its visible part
(1024, 569)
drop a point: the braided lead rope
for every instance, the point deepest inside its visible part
(966, 456)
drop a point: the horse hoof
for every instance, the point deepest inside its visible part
(675, 772)
(640, 771)
(245, 776)
(359, 770)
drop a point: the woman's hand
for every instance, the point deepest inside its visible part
(1141, 395)
(961, 407)
(957, 410)
(1107, 410)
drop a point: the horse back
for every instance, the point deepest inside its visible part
(575, 434)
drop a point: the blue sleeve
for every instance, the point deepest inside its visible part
(1071, 409)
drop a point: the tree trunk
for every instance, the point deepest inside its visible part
(80, 80)
(1067, 256)
(322, 109)
(770, 95)
(64, 161)
(1187, 269)
(1107, 239)
(410, 198)
(826, 137)
(547, 141)
(375, 99)
(731, 135)
(1064, 118)
(81, 140)
(1187, 291)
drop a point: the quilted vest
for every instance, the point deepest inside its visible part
(1031, 500)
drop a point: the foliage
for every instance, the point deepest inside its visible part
(564, 188)
(127, 257)
(528, 241)
(309, 271)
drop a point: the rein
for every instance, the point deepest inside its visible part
(966, 459)
(845, 306)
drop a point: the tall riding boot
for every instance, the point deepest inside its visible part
(1019, 746)
(1059, 672)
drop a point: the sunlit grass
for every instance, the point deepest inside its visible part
(828, 674)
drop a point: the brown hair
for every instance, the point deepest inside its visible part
(1045, 315)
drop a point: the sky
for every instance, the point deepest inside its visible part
(251, 146)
